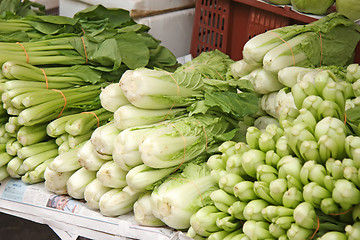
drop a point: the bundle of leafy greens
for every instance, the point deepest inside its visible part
(201, 85)
(21, 8)
(328, 41)
(107, 39)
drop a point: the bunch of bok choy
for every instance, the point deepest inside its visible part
(297, 179)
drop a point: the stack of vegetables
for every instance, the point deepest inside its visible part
(55, 67)
(263, 148)
(164, 127)
(296, 175)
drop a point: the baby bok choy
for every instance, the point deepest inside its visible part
(182, 194)
(183, 139)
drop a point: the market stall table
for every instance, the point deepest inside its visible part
(70, 218)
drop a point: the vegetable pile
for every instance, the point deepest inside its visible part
(262, 148)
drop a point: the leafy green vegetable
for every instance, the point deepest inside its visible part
(313, 6)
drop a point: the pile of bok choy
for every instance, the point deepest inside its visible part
(50, 90)
(297, 178)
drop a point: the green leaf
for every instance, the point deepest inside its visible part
(115, 17)
(235, 104)
(133, 50)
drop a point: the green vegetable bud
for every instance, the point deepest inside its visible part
(288, 114)
(266, 173)
(292, 198)
(3, 173)
(203, 222)
(346, 193)
(305, 216)
(238, 234)
(313, 193)
(217, 174)
(352, 149)
(222, 200)
(297, 134)
(312, 172)
(271, 212)
(272, 158)
(335, 129)
(331, 133)
(312, 103)
(244, 190)
(266, 141)
(351, 173)
(228, 223)
(356, 213)
(349, 91)
(228, 181)
(262, 191)
(192, 234)
(276, 230)
(294, 182)
(335, 92)
(335, 168)
(241, 147)
(283, 237)
(307, 117)
(333, 236)
(282, 147)
(298, 233)
(277, 189)
(299, 95)
(310, 150)
(257, 230)
(253, 209)
(284, 222)
(329, 206)
(307, 86)
(353, 72)
(222, 234)
(237, 210)
(328, 148)
(227, 148)
(233, 165)
(330, 109)
(353, 231)
(329, 183)
(289, 165)
(251, 160)
(321, 80)
(275, 130)
(356, 87)
(216, 161)
(252, 137)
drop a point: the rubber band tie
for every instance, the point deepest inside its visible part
(317, 228)
(97, 118)
(344, 118)
(46, 79)
(178, 93)
(65, 101)
(27, 56)
(83, 41)
(292, 52)
(342, 213)
(197, 188)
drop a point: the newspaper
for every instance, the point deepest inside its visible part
(70, 218)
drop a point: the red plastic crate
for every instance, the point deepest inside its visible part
(227, 25)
